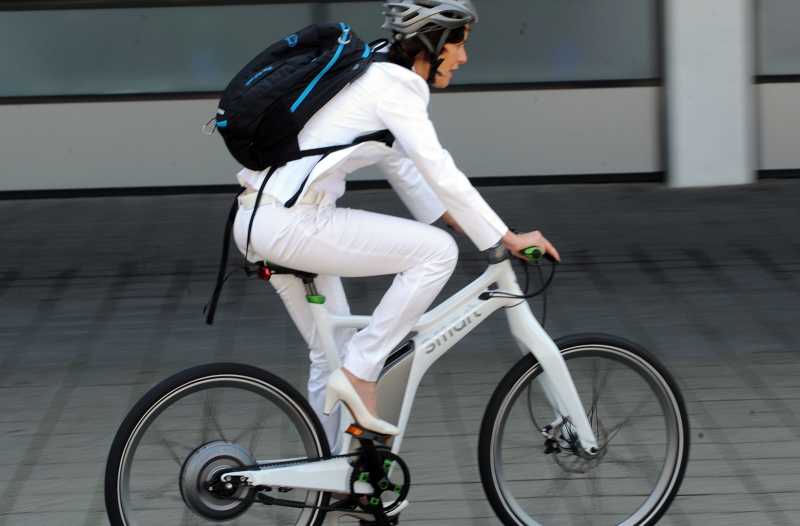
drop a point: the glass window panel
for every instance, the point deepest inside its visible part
(184, 49)
(561, 40)
(145, 50)
(778, 38)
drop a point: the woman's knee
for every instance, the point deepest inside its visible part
(445, 253)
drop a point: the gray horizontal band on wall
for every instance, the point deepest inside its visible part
(457, 88)
(159, 143)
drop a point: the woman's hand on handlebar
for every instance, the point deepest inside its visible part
(516, 243)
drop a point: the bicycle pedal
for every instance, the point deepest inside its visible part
(360, 433)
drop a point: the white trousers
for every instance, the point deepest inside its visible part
(340, 242)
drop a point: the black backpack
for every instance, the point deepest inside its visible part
(268, 102)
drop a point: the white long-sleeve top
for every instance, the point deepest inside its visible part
(419, 169)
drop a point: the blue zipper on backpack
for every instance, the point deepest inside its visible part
(328, 66)
(258, 75)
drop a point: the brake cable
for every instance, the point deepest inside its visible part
(541, 291)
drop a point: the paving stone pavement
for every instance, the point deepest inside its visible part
(101, 297)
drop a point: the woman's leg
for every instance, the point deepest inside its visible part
(353, 243)
(293, 294)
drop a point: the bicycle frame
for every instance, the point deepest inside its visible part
(435, 334)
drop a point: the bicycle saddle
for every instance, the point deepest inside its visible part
(266, 270)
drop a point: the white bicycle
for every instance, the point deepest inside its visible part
(590, 429)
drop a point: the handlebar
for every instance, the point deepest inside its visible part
(535, 254)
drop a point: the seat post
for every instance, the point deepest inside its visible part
(311, 287)
(322, 321)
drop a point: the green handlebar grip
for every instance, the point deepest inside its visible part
(534, 253)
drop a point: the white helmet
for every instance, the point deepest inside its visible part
(413, 18)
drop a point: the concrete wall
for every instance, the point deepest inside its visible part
(779, 126)
(709, 71)
(159, 143)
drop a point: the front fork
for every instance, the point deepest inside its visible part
(555, 378)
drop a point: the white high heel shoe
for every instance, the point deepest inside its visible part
(340, 388)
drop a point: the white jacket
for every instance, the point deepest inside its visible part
(423, 173)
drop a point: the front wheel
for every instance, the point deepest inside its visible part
(637, 414)
(189, 428)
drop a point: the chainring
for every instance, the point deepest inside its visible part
(391, 464)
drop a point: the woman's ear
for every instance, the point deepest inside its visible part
(421, 63)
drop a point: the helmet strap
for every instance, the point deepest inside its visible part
(435, 63)
(434, 54)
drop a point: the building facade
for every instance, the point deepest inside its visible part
(113, 94)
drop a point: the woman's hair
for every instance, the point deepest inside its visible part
(404, 52)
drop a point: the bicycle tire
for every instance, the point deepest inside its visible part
(164, 395)
(490, 448)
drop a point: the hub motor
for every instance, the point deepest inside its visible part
(200, 484)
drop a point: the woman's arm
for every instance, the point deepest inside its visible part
(403, 109)
(412, 189)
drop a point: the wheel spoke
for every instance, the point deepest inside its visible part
(210, 414)
(634, 467)
(537, 428)
(558, 484)
(598, 386)
(170, 446)
(187, 409)
(572, 487)
(594, 490)
(255, 429)
(617, 428)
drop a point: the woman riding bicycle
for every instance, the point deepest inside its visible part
(428, 46)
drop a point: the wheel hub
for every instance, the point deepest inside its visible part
(571, 456)
(200, 484)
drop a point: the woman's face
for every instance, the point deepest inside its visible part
(453, 56)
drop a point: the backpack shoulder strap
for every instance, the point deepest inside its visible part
(384, 136)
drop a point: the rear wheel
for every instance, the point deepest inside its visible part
(188, 428)
(637, 414)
